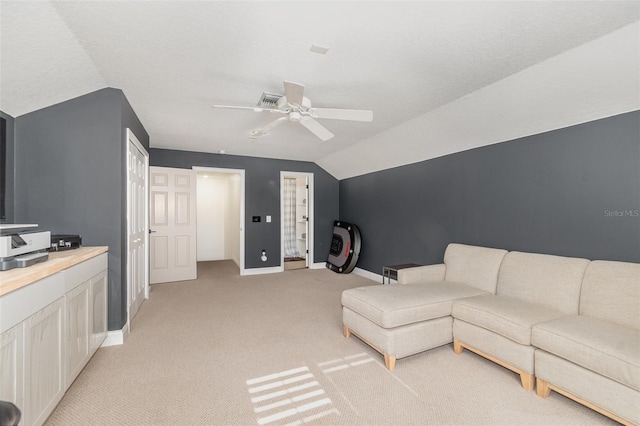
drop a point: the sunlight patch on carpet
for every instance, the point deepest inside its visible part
(344, 363)
(294, 396)
(385, 390)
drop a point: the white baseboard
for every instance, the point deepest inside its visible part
(260, 271)
(318, 265)
(116, 337)
(370, 275)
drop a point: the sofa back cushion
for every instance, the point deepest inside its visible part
(473, 265)
(611, 292)
(553, 281)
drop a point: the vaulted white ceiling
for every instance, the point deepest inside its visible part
(440, 76)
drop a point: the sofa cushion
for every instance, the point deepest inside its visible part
(611, 292)
(394, 305)
(474, 266)
(553, 281)
(509, 317)
(601, 346)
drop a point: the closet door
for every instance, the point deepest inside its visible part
(137, 225)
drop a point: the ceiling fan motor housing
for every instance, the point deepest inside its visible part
(295, 116)
(284, 105)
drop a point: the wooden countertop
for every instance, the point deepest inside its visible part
(19, 277)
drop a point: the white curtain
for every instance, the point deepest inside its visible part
(289, 194)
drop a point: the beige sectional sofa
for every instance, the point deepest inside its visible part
(594, 357)
(572, 323)
(532, 288)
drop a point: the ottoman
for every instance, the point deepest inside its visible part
(402, 320)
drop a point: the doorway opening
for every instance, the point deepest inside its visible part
(296, 208)
(220, 215)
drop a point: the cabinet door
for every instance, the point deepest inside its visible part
(78, 326)
(12, 365)
(99, 311)
(44, 368)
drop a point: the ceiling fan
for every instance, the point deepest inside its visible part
(297, 108)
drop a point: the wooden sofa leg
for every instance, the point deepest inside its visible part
(542, 388)
(390, 361)
(527, 380)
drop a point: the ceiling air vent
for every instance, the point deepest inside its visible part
(268, 100)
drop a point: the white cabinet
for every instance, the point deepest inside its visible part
(99, 310)
(78, 326)
(44, 362)
(12, 365)
(49, 330)
(86, 312)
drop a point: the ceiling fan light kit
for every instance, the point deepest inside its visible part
(298, 109)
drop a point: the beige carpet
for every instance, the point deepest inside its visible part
(268, 349)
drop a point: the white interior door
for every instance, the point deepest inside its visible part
(173, 225)
(137, 225)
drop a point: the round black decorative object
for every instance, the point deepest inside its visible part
(345, 247)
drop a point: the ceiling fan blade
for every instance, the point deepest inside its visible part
(255, 134)
(256, 109)
(294, 93)
(342, 114)
(316, 128)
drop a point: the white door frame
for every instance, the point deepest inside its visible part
(132, 140)
(310, 214)
(236, 172)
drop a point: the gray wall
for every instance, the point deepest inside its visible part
(262, 197)
(71, 177)
(10, 171)
(572, 192)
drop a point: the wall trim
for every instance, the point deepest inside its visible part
(116, 337)
(261, 271)
(318, 265)
(372, 276)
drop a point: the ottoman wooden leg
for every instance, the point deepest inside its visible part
(345, 331)
(390, 361)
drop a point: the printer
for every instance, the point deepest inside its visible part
(22, 245)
